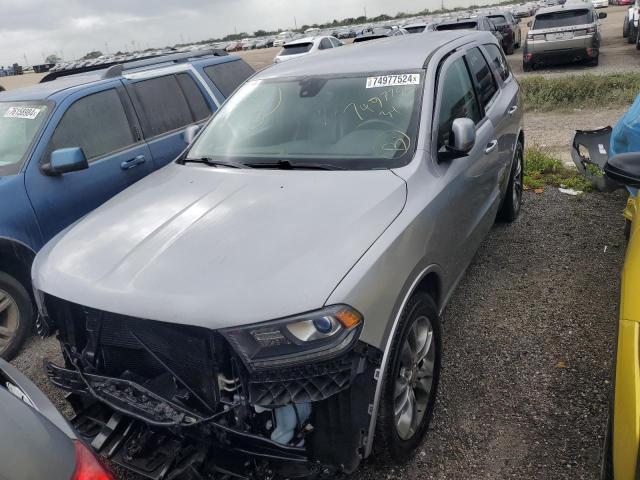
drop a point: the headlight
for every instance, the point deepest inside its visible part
(305, 338)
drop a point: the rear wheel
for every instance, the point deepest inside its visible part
(625, 27)
(633, 33)
(510, 49)
(512, 202)
(527, 67)
(16, 316)
(411, 382)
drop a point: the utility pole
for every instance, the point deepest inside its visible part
(106, 48)
(26, 62)
(295, 22)
(365, 12)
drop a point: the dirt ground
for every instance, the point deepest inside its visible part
(528, 342)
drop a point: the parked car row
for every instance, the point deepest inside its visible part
(209, 325)
(563, 34)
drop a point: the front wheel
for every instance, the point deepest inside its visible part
(512, 202)
(16, 316)
(625, 28)
(411, 381)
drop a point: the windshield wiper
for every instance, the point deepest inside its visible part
(212, 162)
(288, 165)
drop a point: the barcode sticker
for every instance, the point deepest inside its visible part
(393, 80)
(29, 113)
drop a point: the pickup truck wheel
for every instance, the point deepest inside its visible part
(512, 202)
(411, 381)
(16, 316)
(631, 36)
(510, 49)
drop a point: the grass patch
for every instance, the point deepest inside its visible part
(541, 168)
(579, 91)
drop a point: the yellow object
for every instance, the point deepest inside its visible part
(626, 410)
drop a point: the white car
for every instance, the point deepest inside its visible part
(600, 3)
(282, 38)
(305, 46)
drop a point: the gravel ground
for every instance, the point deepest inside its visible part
(528, 339)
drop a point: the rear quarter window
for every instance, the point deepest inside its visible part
(498, 61)
(229, 75)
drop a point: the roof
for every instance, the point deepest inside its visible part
(406, 52)
(565, 7)
(298, 41)
(45, 90)
(42, 91)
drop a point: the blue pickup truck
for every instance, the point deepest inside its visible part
(76, 139)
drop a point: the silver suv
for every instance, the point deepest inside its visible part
(563, 34)
(271, 301)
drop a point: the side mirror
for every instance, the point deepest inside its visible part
(463, 135)
(529, 24)
(624, 168)
(602, 15)
(190, 133)
(65, 160)
(518, 20)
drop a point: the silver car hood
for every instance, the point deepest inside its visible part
(217, 247)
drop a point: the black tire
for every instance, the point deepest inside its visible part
(388, 442)
(519, 42)
(595, 61)
(627, 229)
(20, 297)
(606, 460)
(633, 34)
(510, 208)
(510, 49)
(527, 67)
(625, 27)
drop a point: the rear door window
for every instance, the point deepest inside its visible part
(483, 79)
(565, 18)
(498, 61)
(168, 103)
(229, 75)
(336, 42)
(96, 123)
(457, 100)
(199, 107)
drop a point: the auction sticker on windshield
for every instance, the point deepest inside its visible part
(393, 80)
(29, 113)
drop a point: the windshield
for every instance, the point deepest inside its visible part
(362, 122)
(19, 123)
(562, 19)
(296, 49)
(458, 26)
(498, 19)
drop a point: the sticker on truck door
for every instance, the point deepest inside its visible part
(28, 113)
(393, 80)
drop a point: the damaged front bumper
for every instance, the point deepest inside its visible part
(172, 401)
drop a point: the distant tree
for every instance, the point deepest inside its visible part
(91, 55)
(53, 58)
(260, 33)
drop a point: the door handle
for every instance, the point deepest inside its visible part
(134, 162)
(491, 146)
(513, 110)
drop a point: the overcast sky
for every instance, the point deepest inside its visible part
(37, 28)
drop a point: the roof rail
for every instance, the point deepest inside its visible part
(115, 69)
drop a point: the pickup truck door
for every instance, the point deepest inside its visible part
(101, 122)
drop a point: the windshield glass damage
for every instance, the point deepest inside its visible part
(362, 122)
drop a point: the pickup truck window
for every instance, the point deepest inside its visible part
(96, 123)
(229, 75)
(19, 123)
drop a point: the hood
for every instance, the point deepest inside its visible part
(217, 247)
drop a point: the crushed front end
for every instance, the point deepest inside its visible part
(284, 399)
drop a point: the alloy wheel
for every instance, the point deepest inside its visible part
(517, 182)
(414, 382)
(9, 319)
